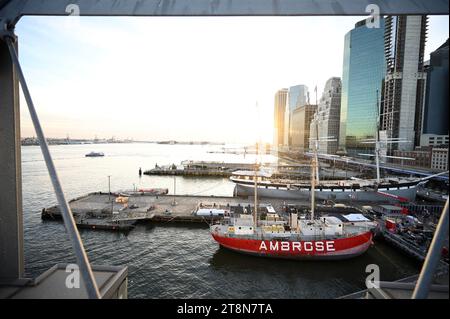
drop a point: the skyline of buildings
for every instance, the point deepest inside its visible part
(386, 78)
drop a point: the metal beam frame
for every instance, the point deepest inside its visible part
(11, 225)
(11, 11)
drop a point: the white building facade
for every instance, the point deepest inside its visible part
(326, 121)
(439, 158)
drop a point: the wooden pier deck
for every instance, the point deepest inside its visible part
(101, 211)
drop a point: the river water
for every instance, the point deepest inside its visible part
(175, 261)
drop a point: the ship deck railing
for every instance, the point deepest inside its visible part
(292, 236)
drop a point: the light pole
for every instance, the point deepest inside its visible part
(346, 168)
(334, 166)
(109, 187)
(174, 189)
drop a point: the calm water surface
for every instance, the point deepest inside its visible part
(174, 261)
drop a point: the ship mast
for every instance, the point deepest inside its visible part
(377, 142)
(255, 211)
(314, 170)
(316, 143)
(313, 182)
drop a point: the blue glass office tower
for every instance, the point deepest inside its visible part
(436, 102)
(363, 72)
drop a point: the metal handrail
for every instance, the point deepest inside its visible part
(433, 257)
(69, 222)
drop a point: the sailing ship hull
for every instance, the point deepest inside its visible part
(340, 248)
(408, 193)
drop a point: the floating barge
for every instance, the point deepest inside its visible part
(105, 224)
(199, 168)
(188, 172)
(223, 169)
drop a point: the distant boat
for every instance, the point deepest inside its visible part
(95, 154)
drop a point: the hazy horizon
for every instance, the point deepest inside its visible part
(177, 78)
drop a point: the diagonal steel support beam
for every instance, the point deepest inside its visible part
(69, 222)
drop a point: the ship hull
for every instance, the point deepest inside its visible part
(341, 248)
(326, 194)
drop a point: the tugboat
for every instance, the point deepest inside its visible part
(95, 154)
(323, 238)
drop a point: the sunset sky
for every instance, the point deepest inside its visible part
(176, 78)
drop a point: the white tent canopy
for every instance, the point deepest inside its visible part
(355, 218)
(211, 212)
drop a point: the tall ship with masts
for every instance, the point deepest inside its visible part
(318, 238)
(370, 190)
(356, 189)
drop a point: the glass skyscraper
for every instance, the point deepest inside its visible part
(297, 96)
(364, 69)
(436, 104)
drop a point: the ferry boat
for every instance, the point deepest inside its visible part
(323, 238)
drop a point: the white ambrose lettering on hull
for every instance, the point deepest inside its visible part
(318, 246)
